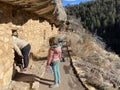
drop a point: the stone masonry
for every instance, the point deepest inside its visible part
(30, 27)
(6, 56)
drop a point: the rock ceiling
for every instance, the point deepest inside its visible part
(47, 9)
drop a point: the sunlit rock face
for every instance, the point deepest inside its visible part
(35, 21)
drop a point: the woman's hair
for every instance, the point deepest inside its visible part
(53, 41)
(14, 33)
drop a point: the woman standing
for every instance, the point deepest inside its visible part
(54, 57)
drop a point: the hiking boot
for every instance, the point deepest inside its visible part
(54, 85)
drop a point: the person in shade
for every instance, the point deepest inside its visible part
(22, 48)
(54, 56)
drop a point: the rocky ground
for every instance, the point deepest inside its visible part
(93, 64)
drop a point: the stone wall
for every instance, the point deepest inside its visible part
(6, 56)
(30, 27)
(37, 34)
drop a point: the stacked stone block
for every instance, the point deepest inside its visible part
(6, 56)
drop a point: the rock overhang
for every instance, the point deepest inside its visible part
(50, 10)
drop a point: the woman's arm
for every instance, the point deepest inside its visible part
(50, 56)
(16, 48)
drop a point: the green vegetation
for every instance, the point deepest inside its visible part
(101, 17)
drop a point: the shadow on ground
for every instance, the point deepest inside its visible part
(31, 78)
(36, 58)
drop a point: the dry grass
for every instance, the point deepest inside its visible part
(101, 67)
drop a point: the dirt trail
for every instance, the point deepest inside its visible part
(41, 81)
(68, 79)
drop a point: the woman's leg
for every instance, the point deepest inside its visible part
(25, 52)
(56, 72)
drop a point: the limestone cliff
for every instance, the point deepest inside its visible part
(35, 21)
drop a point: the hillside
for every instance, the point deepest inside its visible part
(102, 18)
(94, 65)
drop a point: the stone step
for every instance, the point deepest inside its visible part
(19, 86)
(29, 80)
